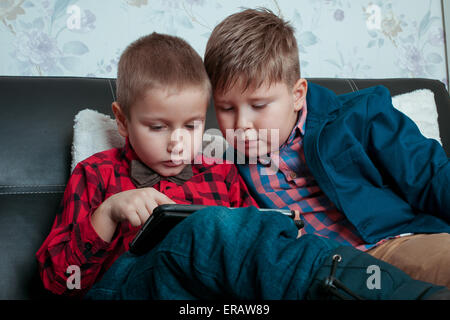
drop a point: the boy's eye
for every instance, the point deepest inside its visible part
(194, 125)
(156, 127)
(226, 108)
(259, 106)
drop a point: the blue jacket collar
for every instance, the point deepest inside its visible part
(321, 101)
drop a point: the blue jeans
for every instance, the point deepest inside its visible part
(218, 253)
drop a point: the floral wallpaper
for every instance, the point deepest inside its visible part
(337, 38)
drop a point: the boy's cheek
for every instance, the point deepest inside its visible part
(225, 122)
(196, 147)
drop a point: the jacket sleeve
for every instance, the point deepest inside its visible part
(418, 167)
(73, 245)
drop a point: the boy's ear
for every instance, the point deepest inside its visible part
(121, 119)
(299, 91)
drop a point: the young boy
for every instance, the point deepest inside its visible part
(162, 90)
(358, 170)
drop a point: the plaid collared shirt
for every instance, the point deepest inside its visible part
(73, 240)
(293, 186)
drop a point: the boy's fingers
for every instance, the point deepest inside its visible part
(158, 197)
(161, 198)
(150, 205)
(143, 213)
(134, 219)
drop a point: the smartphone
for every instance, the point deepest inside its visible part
(167, 216)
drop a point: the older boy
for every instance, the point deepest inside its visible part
(162, 90)
(358, 170)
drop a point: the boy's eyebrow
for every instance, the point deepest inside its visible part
(262, 94)
(261, 98)
(202, 117)
(258, 97)
(149, 118)
(193, 118)
(216, 101)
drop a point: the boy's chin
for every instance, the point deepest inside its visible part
(170, 171)
(253, 151)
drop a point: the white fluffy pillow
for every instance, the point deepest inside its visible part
(95, 132)
(420, 106)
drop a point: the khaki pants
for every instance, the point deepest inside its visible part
(424, 257)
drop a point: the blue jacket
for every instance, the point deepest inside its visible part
(375, 165)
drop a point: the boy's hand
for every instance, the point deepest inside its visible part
(134, 206)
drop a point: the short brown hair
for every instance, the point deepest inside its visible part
(157, 61)
(252, 46)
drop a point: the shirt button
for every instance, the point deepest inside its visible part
(88, 246)
(293, 175)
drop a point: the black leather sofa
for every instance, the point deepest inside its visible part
(36, 121)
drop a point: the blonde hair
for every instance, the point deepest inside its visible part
(252, 46)
(157, 61)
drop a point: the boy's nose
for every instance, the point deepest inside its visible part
(176, 141)
(175, 147)
(242, 120)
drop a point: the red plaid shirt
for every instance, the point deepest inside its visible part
(73, 240)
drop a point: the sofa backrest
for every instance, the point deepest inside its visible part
(36, 121)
